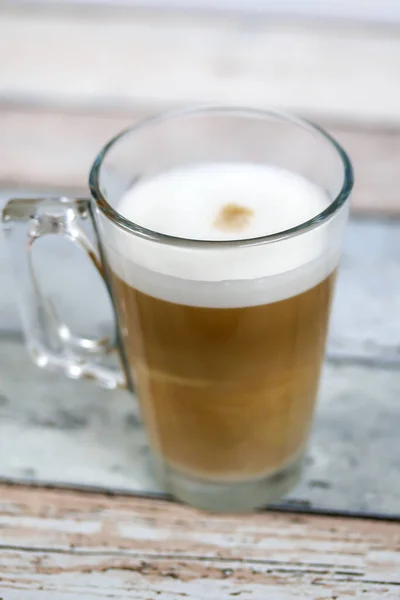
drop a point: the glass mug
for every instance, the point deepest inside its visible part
(218, 236)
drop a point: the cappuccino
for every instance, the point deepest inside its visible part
(224, 342)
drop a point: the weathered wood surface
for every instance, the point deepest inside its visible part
(50, 149)
(56, 545)
(73, 434)
(70, 81)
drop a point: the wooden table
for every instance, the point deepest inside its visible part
(63, 544)
(71, 79)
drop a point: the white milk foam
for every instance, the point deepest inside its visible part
(188, 202)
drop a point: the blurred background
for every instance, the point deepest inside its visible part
(75, 72)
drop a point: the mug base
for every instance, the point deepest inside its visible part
(228, 497)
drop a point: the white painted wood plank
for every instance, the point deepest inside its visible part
(365, 317)
(65, 544)
(72, 433)
(345, 469)
(124, 61)
(63, 577)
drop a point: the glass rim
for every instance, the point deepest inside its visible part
(148, 234)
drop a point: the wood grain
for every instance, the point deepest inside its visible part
(68, 83)
(52, 149)
(73, 545)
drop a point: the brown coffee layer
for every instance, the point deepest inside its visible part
(226, 394)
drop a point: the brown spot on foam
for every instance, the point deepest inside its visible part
(233, 217)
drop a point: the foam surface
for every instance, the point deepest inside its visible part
(189, 202)
(224, 202)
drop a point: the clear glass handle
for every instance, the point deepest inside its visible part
(50, 341)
